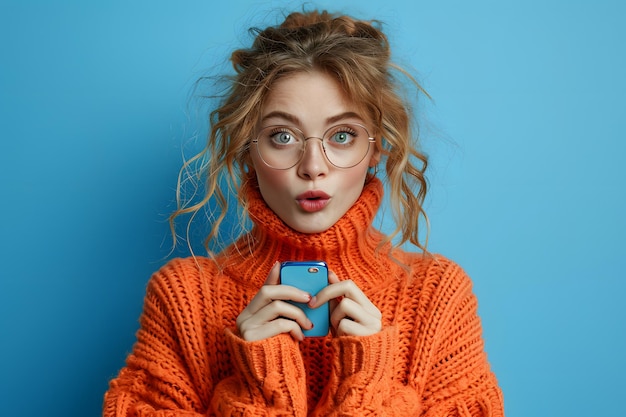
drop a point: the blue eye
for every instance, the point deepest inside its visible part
(341, 137)
(283, 137)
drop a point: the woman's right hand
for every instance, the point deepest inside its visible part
(269, 314)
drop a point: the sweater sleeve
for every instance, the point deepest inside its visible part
(449, 375)
(269, 379)
(362, 379)
(457, 379)
(169, 372)
(158, 380)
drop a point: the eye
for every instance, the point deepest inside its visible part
(282, 136)
(343, 135)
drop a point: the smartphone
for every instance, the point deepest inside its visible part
(309, 276)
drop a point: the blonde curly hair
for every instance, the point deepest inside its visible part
(357, 54)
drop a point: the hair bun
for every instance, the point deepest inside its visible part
(341, 24)
(298, 20)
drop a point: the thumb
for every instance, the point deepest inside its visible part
(332, 278)
(273, 277)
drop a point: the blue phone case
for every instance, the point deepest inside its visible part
(309, 276)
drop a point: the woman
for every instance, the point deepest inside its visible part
(311, 115)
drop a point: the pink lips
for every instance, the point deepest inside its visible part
(312, 201)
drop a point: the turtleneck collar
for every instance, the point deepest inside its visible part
(351, 227)
(352, 237)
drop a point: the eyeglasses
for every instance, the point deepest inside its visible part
(282, 147)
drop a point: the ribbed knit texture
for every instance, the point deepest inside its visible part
(427, 361)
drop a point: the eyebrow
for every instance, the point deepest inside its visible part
(295, 120)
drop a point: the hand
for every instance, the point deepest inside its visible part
(268, 314)
(352, 313)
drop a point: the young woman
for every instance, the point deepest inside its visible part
(312, 116)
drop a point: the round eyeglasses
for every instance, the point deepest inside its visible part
(282, 147)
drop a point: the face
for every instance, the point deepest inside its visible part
(312, 195)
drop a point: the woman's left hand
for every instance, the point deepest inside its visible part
(351, 312)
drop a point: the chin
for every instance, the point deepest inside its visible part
(311, 228)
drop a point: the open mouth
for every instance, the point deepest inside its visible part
(312, 201)
(313, 195)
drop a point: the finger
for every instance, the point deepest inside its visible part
(351, 319)
(273, 328)
(271, 317)
(353, 311)
(347, 327)
(332, 278)
(347, 289)
(273, 277)
(270, 293)
(344, 309)
(324, 295)
(278, 310)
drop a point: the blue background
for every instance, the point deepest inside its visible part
(526, 134)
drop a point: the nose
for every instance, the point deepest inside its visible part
(313, 163)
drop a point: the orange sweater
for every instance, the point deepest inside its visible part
(427, 361)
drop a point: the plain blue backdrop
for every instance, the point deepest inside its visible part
(526, 133)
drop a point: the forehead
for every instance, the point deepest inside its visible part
(308, 97)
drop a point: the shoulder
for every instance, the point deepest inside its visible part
(435, 267)
(181, 275)
(189, 267)
(177, 292)
(438, 279)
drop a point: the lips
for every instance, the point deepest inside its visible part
(312, 201)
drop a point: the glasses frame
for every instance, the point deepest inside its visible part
(304, 138)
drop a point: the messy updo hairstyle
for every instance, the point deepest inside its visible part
(356, 53)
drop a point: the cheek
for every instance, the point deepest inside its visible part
(272, 183)
(358, 174)
(353, 183)
(267, 176)
(259, 168)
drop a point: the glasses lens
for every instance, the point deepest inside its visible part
(281, 147)
(346, 145)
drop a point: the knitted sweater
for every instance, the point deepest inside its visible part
(427, 361)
